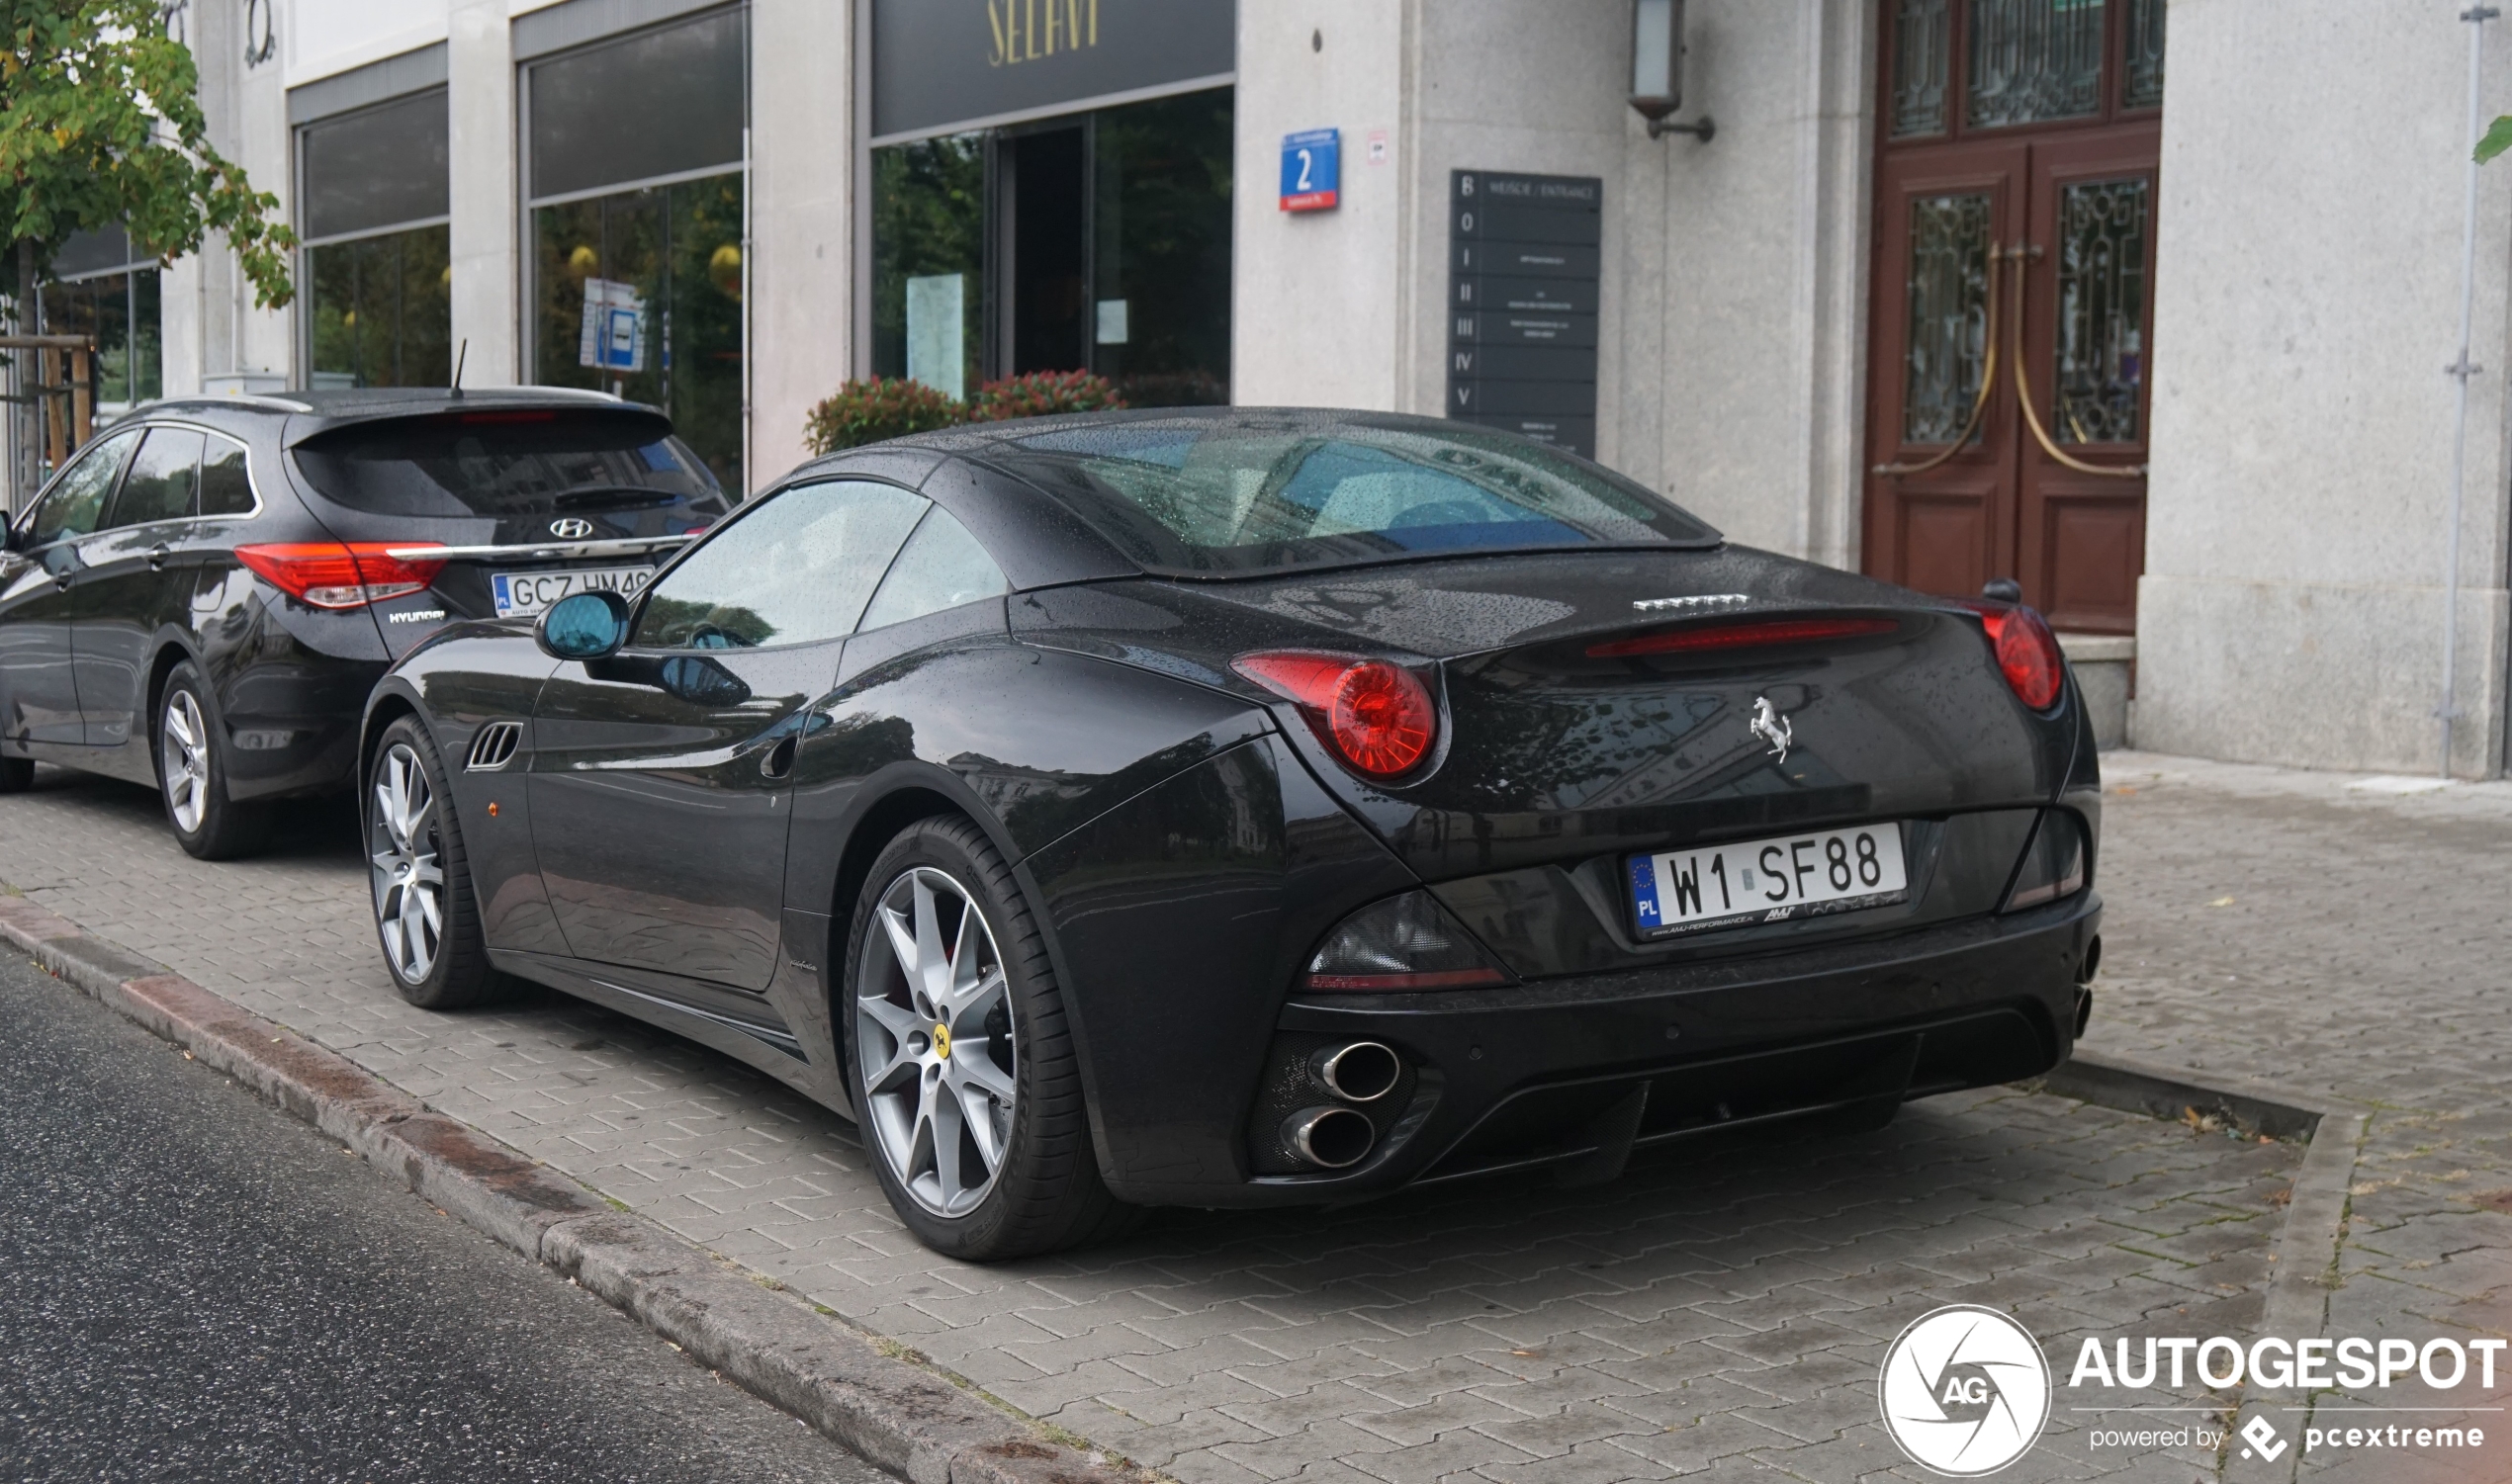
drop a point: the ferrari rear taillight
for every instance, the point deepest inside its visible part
(343, 573)
(2027, 653)
(1376, 714)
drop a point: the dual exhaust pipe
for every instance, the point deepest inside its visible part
(1330, 1135)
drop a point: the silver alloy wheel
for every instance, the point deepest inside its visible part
(183, 761)
(933, 1037)
(410, 879)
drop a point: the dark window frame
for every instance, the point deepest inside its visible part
(308, 243)
(529, 276)
(128, 273)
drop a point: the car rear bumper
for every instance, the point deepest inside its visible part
(1576, 1072)
(291, 722)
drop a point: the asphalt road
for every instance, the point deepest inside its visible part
(194, 1285)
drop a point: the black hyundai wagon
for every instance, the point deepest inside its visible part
(203, 597)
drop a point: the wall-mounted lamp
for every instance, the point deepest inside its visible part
(1657, 68)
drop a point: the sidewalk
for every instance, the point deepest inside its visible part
(2346, 935)
(1721, 1309)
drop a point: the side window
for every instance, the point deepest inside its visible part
(227, 485)
(77, 502)
(162, 478)
(940, 566)
(794, 568)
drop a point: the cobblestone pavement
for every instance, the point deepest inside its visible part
(1719, 1312)
(2341, 938)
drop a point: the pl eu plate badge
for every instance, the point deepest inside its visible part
(1311, 169)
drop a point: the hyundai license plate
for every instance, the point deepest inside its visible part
(525, 593)
(1768, 880)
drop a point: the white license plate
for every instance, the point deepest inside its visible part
(530, 592)
(1768, 880)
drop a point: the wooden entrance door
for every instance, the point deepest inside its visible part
(2011, 326)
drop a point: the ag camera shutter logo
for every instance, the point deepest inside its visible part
(1965, 1391)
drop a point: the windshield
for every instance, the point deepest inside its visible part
(509, 464)
(1257, 493)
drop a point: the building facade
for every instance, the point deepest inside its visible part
(2071, 292)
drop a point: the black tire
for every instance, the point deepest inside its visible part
(189, 741)
(1046, 1194)
(17, 774)
(407, 838)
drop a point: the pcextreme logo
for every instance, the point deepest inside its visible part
(1964, 1391)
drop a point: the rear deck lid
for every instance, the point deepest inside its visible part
(1593, 704)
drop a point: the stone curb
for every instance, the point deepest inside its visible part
(793, 1356)
(2297, 1299)
(2315, 1216)
(2134, 1086)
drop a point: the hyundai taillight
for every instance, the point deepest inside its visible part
(2027, 653)
(1747, 633)
(343, 573)
(1404, 943)
(1376, 714)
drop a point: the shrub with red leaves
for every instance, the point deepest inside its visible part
(886, 406)
(1042, 393)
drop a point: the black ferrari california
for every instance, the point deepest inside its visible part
(1243, 806)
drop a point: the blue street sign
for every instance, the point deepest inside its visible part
(1310, 169)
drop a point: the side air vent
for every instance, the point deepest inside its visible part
(494, 746)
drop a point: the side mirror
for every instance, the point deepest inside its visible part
(12, 538)
(587, 626)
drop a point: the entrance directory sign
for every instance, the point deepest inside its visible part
(1523, 261)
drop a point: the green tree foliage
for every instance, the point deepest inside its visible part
(2498, 138)
(101, 127)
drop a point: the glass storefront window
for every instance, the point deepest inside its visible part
(929, 227)
(1162, 316)
(672, 255)
(119, 310)
(634, 155)
(670, 101)
(379, 311)
(1119, 227)
(378, 276)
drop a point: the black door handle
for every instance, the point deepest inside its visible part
(157, 556)
(778, 760)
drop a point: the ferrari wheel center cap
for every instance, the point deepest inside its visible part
(941, 1041)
